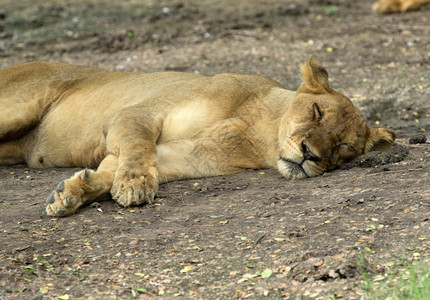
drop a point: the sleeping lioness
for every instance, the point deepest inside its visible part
(140, 130)
(397, 6)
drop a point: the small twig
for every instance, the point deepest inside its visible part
(398, 26)
(22, 248)
(259, 238)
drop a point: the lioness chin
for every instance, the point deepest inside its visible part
(140, 130)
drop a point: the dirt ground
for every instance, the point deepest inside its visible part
(250, 235)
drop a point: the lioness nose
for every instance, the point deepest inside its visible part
(308, 154)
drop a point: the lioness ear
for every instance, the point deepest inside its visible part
(380, 139)
(314, 76)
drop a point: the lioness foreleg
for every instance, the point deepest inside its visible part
(82, 188)
(136, 179)
(132, 136)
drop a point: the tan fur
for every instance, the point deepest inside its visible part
(396, 6)
(140, 130)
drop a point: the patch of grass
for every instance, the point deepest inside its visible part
(29, 269)
(92, 231)
(330, 9)
(404, 280)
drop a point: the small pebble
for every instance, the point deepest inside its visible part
(120, 68)
(95, 205)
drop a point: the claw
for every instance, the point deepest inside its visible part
(51, 198)
(87, 174)
(151, 197)
(140, 195)
(60, 187)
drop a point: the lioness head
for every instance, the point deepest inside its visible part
(322, 129)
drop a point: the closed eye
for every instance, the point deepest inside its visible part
(346, 149)
(317, 112)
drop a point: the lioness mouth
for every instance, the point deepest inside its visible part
(295, 169)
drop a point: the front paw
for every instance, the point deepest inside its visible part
(61, 202)
(72, 193)
(134, 187)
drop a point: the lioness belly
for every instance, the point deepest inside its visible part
(68, 137)
(70, 134)
(62, 150)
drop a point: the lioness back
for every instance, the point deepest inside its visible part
(81, 100)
